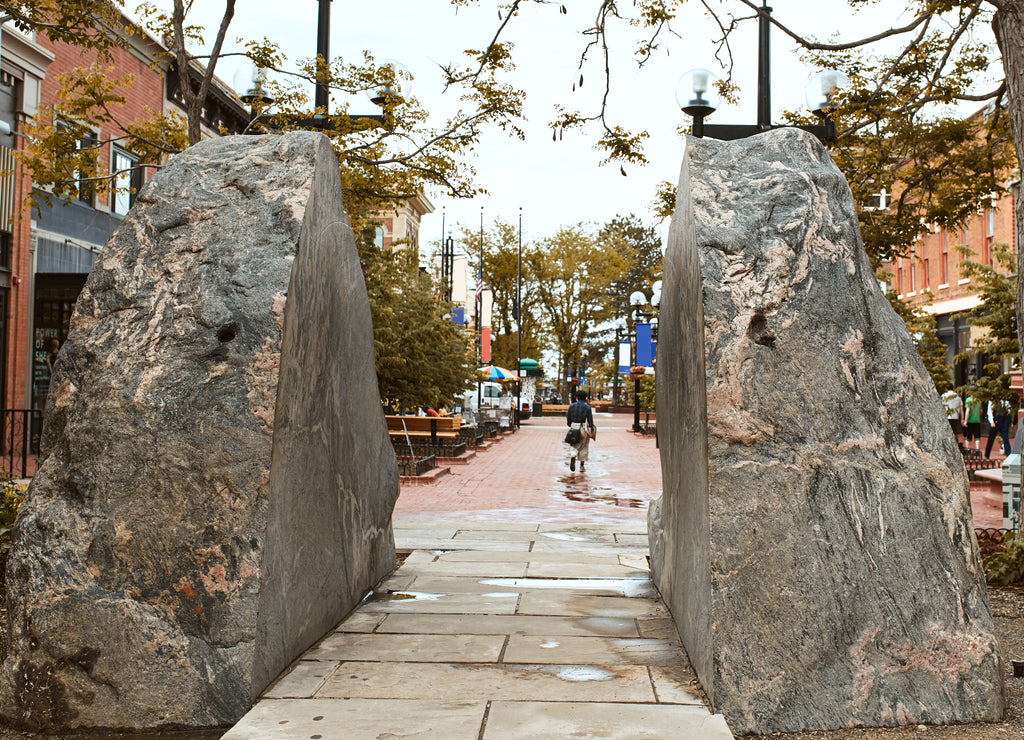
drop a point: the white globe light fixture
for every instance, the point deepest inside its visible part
(400, 89)
(697, 96)
(821, 88)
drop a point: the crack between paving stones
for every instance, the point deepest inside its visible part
(654, 687)
(504, 647)
(483, 722)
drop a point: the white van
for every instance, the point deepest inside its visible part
(495, 405)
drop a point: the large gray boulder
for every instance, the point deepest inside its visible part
(217, 483)
(814, 541)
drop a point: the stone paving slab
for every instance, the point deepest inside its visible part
(303, 680)
(583, 570)
(426, 542)
(592, 650)
(675, 684)
(557, 721)
(581, 605)
(342, 646)
(480, 537)
(658, 628)
(476, 569)
(404, 525)
(498, 630)
(633, 540)
(632, 587)
(417, 601)
(469, 681)
(590, 548)
(497, 624)
(361, 719)
(499, 556)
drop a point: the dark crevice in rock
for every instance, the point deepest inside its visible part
(227, 332)
(758, 331)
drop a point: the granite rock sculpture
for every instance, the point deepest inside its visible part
(216, 484)
(814, 541)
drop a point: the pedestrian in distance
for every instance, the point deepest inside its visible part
(954, 406)
(972, 410)
(998, 424)
(581, 415)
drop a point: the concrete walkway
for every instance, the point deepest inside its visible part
(498, 631)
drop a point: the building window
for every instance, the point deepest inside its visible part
(127, 180)
(878, 201)
(85, 191)
(990, 233)
(6, 247)
(945, 259)
(899, 276)
(913, 273)
(378, 237)
(925, 284)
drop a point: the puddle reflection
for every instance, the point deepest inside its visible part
(577, 488)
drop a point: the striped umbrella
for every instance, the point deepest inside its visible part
(493, 372)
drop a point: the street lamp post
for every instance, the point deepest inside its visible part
(323, 42)
(697, 97)
(637, 300)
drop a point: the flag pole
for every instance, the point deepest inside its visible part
(480, 306)
(519, 323)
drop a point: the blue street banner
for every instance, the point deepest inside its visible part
(643, 345)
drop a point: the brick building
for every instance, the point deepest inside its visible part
(47, 252)
(402, 223)
(930, 276)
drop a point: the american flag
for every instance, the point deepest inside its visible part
(479, 284)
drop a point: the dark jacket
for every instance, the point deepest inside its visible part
(579, 411)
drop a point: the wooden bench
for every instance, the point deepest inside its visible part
(424, 426)
(555, 408)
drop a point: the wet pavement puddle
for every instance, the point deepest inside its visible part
(404, 596)
(631, 587)
(578, 488)
(563, 536)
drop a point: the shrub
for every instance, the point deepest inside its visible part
(1005, 568)
(11, 496)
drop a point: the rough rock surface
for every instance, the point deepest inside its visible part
(820, 562)
(217, 486)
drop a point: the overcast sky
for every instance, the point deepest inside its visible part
(555, 183)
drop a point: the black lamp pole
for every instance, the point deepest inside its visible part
(730, 132)
(323, 44)
(764, 72)
(636, 378)
(519, 323)
(615, 368)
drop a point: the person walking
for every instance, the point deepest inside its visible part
(972, 411)
(580, 413)
(954, 406)
(998, 424)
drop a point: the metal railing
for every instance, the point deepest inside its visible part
(20, 430)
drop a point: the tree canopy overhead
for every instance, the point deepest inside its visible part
(390, 156)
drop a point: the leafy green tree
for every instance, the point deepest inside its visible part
(501, 275)
(639, 247)
(384, 158)
(997, 313)
(422, 358)
(572, 271)
(92, 23)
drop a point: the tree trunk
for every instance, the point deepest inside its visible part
(1008, 25)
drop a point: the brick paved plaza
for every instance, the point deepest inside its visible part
(525, 477)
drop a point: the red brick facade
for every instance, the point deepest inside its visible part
(930, 275)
